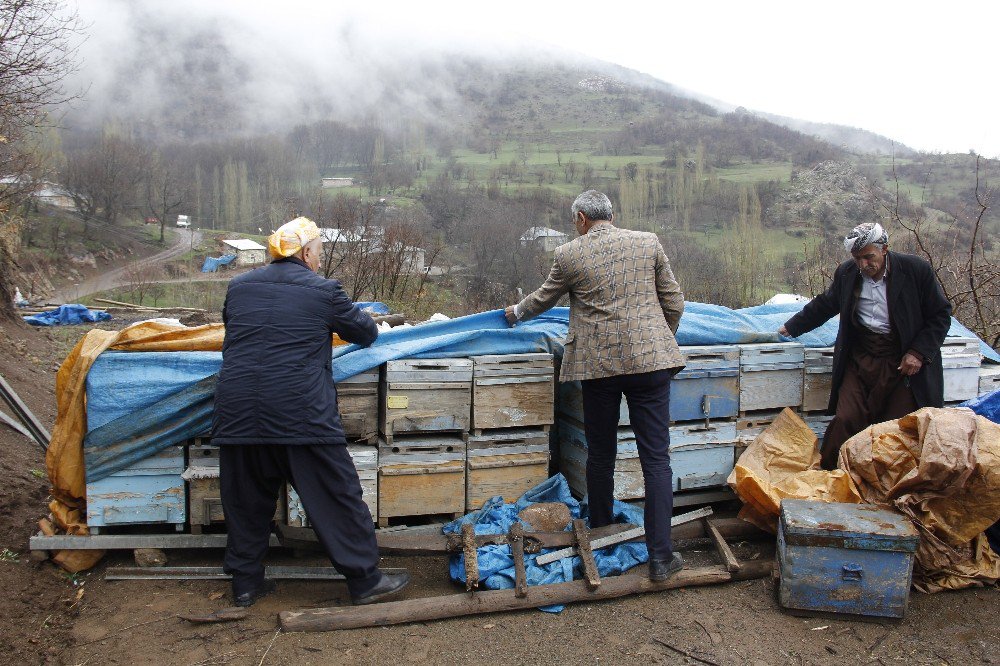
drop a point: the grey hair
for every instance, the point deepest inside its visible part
(595, 205)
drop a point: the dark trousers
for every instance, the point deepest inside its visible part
(325, 478)
(872, 391)
(648, 396)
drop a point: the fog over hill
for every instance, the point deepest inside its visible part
(186, 70)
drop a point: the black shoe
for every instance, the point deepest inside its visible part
(660, 570)
(248, 598)
(389, 585)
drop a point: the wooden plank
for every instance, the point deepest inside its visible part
(586, 554)
(16, 426)
(495, 601)
(725, 552)
(513, 404)
(471, 557)
(515, 537)
(31, 422)
(629, 535)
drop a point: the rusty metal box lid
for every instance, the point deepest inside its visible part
(849, 526)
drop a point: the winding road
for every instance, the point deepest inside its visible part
(183, 242)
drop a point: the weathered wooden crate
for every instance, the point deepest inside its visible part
(961, 360)
(845, 558)
(512, 391)
(707, 387)
(420, 396)
(748, 427)
(818, 423)
(365, 459)
(989, 378)
(818, 379)
(205, 490)
(421, 475)
(771, 375)
(149, 492)
(357, 399)
(701, 456)
(506, 462)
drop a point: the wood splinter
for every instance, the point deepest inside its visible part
(725, 552)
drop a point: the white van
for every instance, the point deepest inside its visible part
(183, 221)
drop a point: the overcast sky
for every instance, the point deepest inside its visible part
(919, 72)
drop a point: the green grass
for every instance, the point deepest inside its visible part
(757, 173)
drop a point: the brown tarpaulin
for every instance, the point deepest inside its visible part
(940, 467)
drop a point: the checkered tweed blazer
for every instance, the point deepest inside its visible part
(625, 305)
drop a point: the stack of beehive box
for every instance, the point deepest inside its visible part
(513, 400)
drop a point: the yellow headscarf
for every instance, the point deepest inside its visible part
(292, 237)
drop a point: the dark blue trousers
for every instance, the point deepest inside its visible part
(648, 396)
(327, 481)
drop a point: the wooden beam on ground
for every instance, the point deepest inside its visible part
(471, 553)
(496, 601)
(516, 540)
(725, 552)
(586, 554)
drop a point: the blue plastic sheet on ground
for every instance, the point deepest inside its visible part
(212, 264)
(986, 405)
(374, 307)
(496, 564)
(66, 315)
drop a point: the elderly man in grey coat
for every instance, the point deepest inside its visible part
(625, 307)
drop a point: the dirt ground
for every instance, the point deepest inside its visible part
(52, 617)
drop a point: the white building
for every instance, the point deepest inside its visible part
(548, 239)
(248, 252)
(328, 183)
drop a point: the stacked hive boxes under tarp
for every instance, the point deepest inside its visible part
(961, 360)
(205, 490)
(148, 492)
(817, 379)
(771, 376)
(513, 399)
(425, 406)
(357, 400)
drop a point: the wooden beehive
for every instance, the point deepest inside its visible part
(148, 492)
(989, 378)
(628, 484)
(357, 399)
(205, 490)
(702, 455)
(512, 391)
(506, 462)
(771, 375)
(421, 475)
(423, 396)
(365, 459)
(961, 360)
(818, 379)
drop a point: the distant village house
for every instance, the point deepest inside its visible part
(371, 240)
(248, 252)
(548, 239)
(328, 183)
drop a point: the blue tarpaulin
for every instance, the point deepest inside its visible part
(165, 385)
(496, 564)
(212, 264)
(986, 405)
(66, 315)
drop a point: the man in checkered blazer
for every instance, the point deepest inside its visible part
(625, 307)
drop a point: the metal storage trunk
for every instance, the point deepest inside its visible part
(707, 387)
(512, 391)
(205, 490)
(989, 378)
(771, 375)
(960, 357)
(421, 475)
(700, 456)
(150, 491)
(357, 399)
(425, 395)
(817, 380)
(845, 558)
(505, 462)
(365, 459)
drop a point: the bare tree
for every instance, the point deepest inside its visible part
(165, 188)
(36, 56)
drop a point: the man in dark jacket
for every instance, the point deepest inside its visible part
(893, 319)
(276, 418)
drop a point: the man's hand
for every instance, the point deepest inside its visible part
(509, 314)
(783, 331)
(910, 365)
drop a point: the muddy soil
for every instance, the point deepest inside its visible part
(52, 617)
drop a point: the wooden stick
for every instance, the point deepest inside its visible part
(628, 535)
(15, 425)
(471, 557)
(516, 540)
(118, 303)
(495, 601)
(586, 554)
(685, 653)
(728, 558)
(28, 418)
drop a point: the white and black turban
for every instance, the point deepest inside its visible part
(869, 233)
